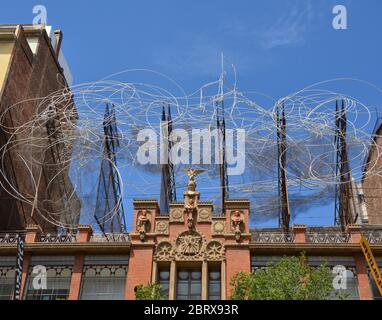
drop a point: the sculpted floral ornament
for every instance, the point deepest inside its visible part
(161, 227)
(176, 215)
(163, 251)
(189, 246)
(189, 243)
(204, 215)
(218, 227)
(215, 250)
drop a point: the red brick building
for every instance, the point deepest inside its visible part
(191, 251)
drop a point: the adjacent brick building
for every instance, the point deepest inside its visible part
(30, 73)
(372, 180)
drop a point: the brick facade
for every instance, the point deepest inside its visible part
(30, 76)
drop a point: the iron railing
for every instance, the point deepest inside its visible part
(327, 237)
(8, 237)
(110, 237)
(373, 237)
(272, 237)
(57, 238)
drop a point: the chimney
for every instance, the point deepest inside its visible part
(58, 35)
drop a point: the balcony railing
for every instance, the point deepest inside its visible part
(272, 237)
(110, 237)
(373, 237)
(327, 237)
(57, 238)
(8, 238)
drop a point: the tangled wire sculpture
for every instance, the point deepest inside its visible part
(56, 143)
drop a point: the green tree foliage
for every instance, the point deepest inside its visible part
(289, 279)
(148, 292)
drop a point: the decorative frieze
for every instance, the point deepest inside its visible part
(190, 245)
(204, 214)
(218, 227)
(176, 214)
(162, 227)
(215, 251)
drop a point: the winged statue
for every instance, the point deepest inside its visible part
(192, 173)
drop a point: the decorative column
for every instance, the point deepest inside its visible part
(154, 273)
(223, 280)
(299, 232)
(204, 280)
(172, 290)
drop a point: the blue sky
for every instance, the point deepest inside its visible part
(277, 46)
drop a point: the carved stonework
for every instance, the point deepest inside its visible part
(163, 251)
(237, 224)
(218, 227)
(204, 215)
(161, 227)
(191, 198)
(143, 223)
(176, 215)
(189, 246)
(191, 207)
(214, 250)
(190, 212)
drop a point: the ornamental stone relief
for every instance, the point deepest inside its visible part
(214, 251)
(163, 251)
(204, 215)
(189, 246)
(176, 215)
(143, 223)
(218, 227)
(161, 227)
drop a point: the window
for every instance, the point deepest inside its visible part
(57, 284)
(351, 291)
(374, 287)
(214, 285)
(189, 284)
(164, 281)
(7, 282)
(103, 283)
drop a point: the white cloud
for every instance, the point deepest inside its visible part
(290, 29)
